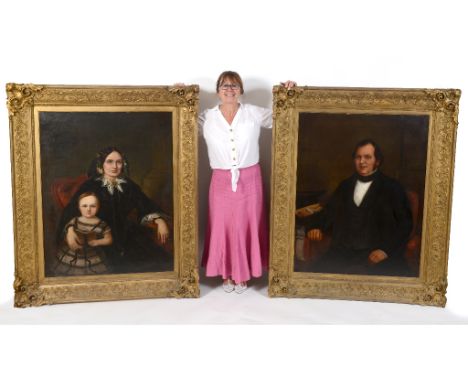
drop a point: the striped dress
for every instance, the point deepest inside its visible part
(87, 260)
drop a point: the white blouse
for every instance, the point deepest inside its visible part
(235, 146)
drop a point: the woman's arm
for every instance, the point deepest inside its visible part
(149, 212)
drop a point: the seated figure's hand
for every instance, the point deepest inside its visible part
(73, 240)
(93, 243)
(163, 230)
(376, 256)
(315, 234)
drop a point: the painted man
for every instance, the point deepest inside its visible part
(369, 219)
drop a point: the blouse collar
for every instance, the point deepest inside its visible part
(241, 106)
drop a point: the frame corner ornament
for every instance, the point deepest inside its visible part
(186, 95)
(435, 293)
(279, 285)
(27, 295)
(188, 286)
(20, 95)
(285, 98)
(445, 100)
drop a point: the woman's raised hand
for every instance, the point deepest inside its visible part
(288, 84)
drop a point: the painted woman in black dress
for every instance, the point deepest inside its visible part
(127, 211)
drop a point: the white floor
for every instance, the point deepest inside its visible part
(217, 307)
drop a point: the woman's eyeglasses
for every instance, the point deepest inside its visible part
(229, 86)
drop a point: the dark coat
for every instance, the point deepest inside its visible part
(382, 221)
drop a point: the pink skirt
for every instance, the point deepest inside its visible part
(236, 241)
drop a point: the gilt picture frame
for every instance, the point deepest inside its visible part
(321, 244)
(147, 210)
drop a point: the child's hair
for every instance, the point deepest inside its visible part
(89, 193)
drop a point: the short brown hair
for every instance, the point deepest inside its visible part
(230, 75)
(377, 150)
(89, 193)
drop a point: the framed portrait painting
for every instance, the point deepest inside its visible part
(361, 193)
(104, 192)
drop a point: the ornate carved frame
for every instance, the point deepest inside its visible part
(31, 287)
(441, 105)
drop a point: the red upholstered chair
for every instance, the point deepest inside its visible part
(314, 250)
(63, 189)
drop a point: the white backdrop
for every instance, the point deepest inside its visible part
(325, 43)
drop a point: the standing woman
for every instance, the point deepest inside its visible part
(236, 241)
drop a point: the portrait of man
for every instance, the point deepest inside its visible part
(369, 217)
(352, 216)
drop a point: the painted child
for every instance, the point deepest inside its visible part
(87, 256)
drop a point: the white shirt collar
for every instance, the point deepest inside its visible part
(241, 106)
(360, 191)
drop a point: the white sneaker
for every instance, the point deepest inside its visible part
(240, 288)
(228, 287)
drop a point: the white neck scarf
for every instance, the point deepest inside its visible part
(111, 186)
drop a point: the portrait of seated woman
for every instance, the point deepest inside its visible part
(140, 229)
